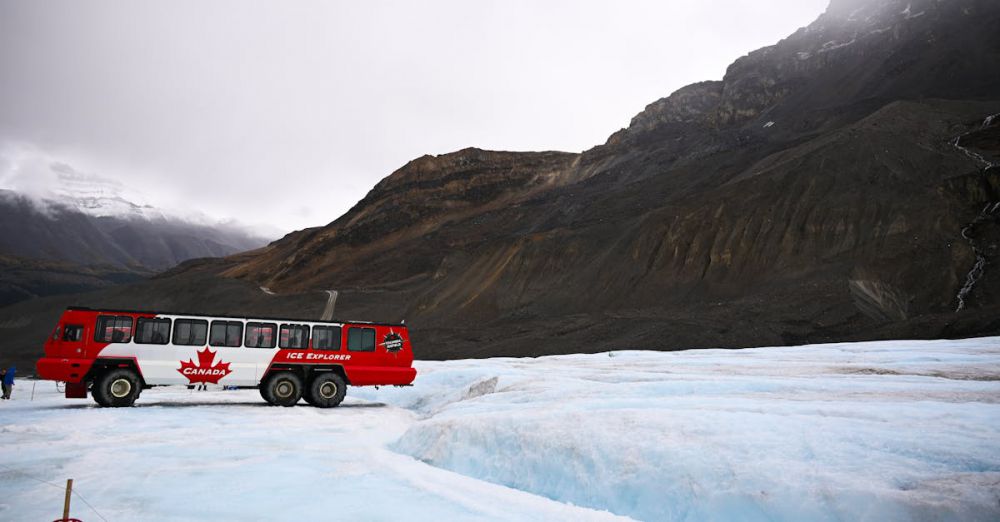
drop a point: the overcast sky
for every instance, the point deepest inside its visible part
(285, 114)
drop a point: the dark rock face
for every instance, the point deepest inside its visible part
(815, 193)
(687, 104)
(27, 278)
(426, 194)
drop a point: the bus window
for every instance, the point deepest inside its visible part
(191, 332)
(152, 331)
(73, 332)
(361, 339)
(113, 329)
(326, 338)
(294, 336)
(226, 333)
(260, 335)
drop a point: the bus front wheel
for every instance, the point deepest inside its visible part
(117, 388)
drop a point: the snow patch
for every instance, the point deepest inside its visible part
(979, 266)
(834, 45)
(988, 212)
(852, 17)
(908, 13)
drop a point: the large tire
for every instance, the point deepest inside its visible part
(98, 396)
(282, 389)
(326, 390)
(117, 388)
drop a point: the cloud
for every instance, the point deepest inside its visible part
(33, 173)
(23, 169)
(256, 110)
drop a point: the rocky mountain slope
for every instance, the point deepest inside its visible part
(816, 191)
(836, 185)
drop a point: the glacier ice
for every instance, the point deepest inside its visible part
(902, 430)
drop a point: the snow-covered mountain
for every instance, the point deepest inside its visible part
(97, 196)
(103, 228)
(884, 431)
(50, 247)
(63, 230)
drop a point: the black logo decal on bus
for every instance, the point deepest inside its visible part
(392, 342)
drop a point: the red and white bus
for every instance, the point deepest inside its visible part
(115, 354)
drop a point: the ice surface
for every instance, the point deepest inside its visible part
(902, 430)
(224, 455)
(867, 431)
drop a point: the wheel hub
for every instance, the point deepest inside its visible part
(283, 389)
(121, 388)
(328, 390)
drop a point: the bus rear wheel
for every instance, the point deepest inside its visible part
(117, 388)
(282, 389)
(326, 390)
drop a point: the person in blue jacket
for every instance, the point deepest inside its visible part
(8, 381)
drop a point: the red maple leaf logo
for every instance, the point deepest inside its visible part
(204, 371)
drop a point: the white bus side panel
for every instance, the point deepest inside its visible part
(162, 363)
